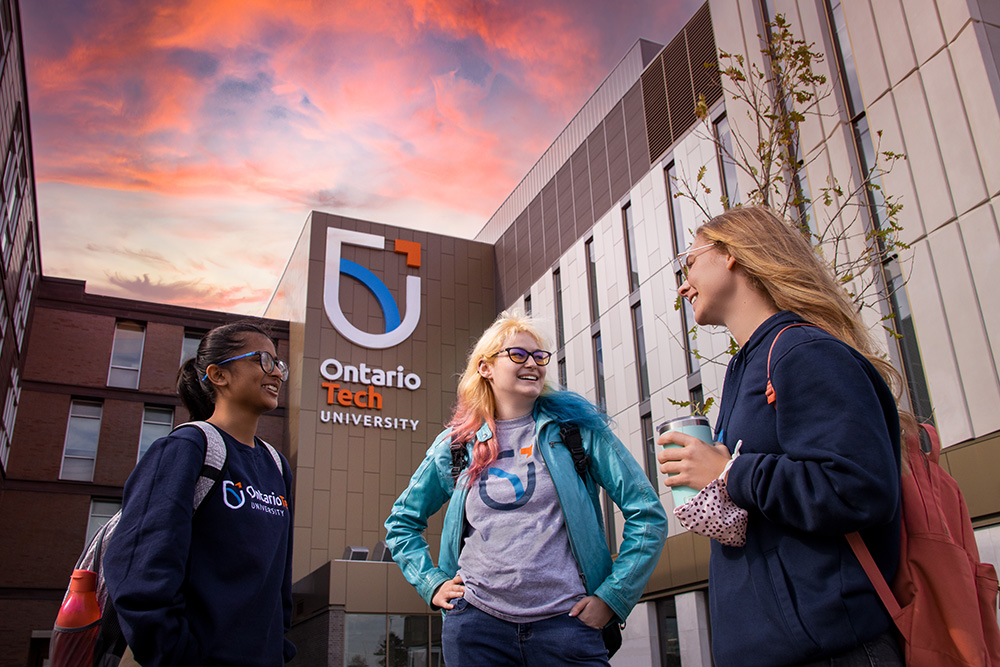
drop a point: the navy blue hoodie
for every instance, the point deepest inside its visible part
(212, 587)
(821, 462)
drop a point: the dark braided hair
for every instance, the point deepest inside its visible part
(218, 345)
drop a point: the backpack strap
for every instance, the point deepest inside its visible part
(570, 434)
(769, 392)
(215, 460)
(274, 455)
(864, 556)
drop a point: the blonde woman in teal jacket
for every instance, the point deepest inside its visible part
(525, 576)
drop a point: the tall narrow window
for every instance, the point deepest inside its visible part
(24, 290)
(80, 449)
(609, 522)
(916, 381)
(640, 352)
(649, 449)
(9, 416)
(631, 258)
(727, 164)
(602, 400)
(156, 424)
(679, 234)
(680, 241)
(893, 281)
(101, 512)
(561, 366)
(595, 312)
(126, 355)
(560, 326)
(527, 304)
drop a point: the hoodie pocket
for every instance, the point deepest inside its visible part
(784, 601)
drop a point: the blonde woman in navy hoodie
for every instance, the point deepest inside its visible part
(818, 463)
(211, 587)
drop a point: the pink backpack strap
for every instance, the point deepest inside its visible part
(769, 392)
(864, 556)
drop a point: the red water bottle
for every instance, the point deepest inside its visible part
(77, 624)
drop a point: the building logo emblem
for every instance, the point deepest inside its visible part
(396, 329)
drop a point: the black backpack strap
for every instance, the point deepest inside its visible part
(570, 434)
(459, 459)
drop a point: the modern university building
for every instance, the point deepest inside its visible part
(377, 320)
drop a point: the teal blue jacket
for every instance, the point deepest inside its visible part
(618, 583)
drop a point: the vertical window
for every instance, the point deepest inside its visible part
(527, 304)
(602, 400)
(669, 632)
(679, 234)
(126, 355)
(679, 239)
(727, 165)
(13, 184)
(189, 348)
(640, 352)
(101, 512)
(630, 250)
(560, 327)
(80, 448)
(595, 312)
(892, 279)
(609, 522)
(24, 289)
(649, 447)
(916, 381)
(156, 424)
(9, 415)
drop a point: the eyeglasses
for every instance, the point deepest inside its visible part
(684, 265)
(519, 355)
(267, 363)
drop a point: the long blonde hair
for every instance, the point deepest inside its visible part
(781, 263)
(476, 402)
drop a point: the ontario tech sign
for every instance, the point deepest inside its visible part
(362, 406)
(396, 330)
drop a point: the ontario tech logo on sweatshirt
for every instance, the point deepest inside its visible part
(234, 495)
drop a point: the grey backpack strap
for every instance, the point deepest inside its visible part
(215, 460)
(274, 455)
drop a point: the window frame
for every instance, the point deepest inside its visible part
(69, 425)
(121, 325)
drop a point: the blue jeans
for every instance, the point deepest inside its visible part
(472, 638)
(883, 651)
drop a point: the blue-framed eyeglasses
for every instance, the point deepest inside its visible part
(519, 355)
(267, 363)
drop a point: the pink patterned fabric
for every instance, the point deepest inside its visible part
(712, 513)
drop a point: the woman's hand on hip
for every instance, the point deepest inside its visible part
(593, 611)
(694, 463)
(449, 590)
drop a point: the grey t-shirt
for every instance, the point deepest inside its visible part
(516, 563)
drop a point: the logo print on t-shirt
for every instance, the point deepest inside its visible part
(233, 494)
(521, 494)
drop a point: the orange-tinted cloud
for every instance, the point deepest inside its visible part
(212, 122)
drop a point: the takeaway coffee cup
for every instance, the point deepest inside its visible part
(696, 425)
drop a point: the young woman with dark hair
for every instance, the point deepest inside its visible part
(525, 577)
(211, 587)
(819, 457)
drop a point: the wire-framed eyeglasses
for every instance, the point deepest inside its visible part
(519, 355)
(683, 261)
(267, 363)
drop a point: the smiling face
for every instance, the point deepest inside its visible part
(246, 382)
(515, 386)
(710, 283)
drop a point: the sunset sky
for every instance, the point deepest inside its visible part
(180, 145)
